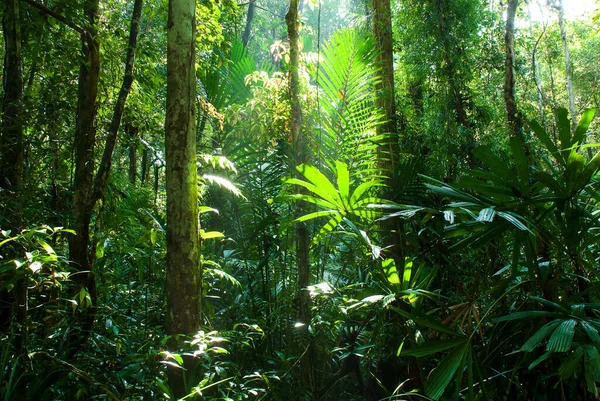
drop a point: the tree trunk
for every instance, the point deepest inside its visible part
(568, 66)
(536, 69)
(85, 137)
(382, 32)
(11, 168)
(87, 188)
(104, 170)
(300, 156)
(133, 141)
(515, 122)
(249, 18)
(184, 276)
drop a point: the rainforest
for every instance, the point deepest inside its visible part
(300, 200)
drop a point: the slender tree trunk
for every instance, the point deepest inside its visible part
(536, 69)
(515, 122)
(144, 175)
(184, 276)
(11, 169)
(85, 136)
(300, 155)
(568, 66)
(87, 188)
(249, 19)
(133, 141)
(103, 173)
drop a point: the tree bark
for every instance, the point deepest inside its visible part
(85, 137)
(382, 32)
(568, 66)
(87, 188)
(300, 156)
(11, 169)
(104, 170)
(515, 122)
(249, 19)
(184, 276)
(536, 69)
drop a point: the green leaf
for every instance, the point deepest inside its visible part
(591, 332)
(433, 347)
(343, 182)
(441, 376)
(391, 273)
(535, 340)
(521, 163)
(315, 215)
(426, 321)
(544, 138)
(318, 179)
(592, 367)
(561, 339)
(494, 163)
(211, 234)
(541, 359)
(584, 124)
(564, 128)
(527, 315)
(567, 368)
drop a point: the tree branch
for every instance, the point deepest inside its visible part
(56, 16)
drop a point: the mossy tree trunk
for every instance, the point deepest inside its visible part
(300, 157)
(184, 274)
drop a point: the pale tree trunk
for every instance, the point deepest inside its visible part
(534, 62)
(11, 168)
(184, 276)
(300, 156)
(568, 66)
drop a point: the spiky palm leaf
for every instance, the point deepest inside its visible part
(337, 202)
(346, 78)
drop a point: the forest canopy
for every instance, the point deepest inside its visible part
(299, 200)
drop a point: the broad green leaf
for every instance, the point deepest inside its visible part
(315, 215)
(591, 332)
(433, 347)
(332, 197)
(494, 163)
(426, 321)
(391, 273)
(528, 315)
(318, 179)
(362, 188)
(541, 134)
(521, 163)
(567, 368)
(536, 340)
(407, 274)
(441, 376)
(561, 339)
(541, 359)
(211, 234)
(583, 125)
(343, 182)
(564, 128)
(326, 229)
(591, 359)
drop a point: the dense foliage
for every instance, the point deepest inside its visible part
(453, 258)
